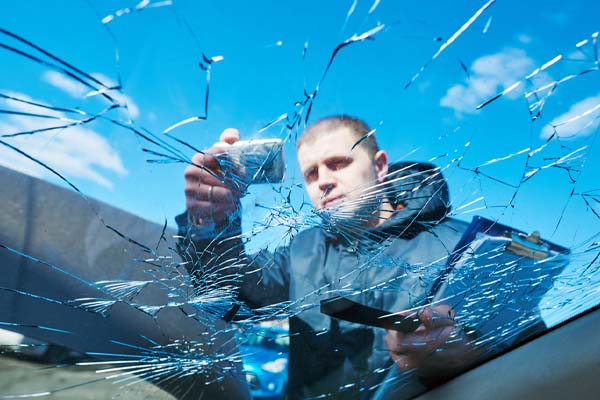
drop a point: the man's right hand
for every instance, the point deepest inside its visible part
(212, 197)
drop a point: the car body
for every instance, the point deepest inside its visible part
(264, 353)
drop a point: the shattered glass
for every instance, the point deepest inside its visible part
(488, 112)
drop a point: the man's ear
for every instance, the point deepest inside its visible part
(380, 160)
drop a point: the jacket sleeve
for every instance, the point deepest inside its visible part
(218, 263)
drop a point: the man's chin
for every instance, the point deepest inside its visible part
(347, 218)
(339, 216)
(335, 208)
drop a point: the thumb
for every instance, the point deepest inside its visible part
(230, 136)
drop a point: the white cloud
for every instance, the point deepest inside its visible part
(490, 75)
(76, 152)
(80, 91)
(63, 82)
(524, 38)
(577, 55)
(134, 110)
(582, 119)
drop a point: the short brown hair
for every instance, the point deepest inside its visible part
(358, 128)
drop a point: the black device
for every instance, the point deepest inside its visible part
(343, 308)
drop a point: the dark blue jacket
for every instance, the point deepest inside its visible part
(392, 267)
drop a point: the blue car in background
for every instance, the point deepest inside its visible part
(264, 351)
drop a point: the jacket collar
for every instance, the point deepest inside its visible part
(419, 193)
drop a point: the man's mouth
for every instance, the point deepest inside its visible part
(333, 202)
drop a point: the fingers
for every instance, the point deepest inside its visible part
(206, 158)
(433, 334)
(438, 343)
(199, 168)
(210, 187)
(207, 198)
(209, 193)
(403, 361)
(426, 342)
(393, 341)
(217, 162)
(207, 203)
(437, 316)
(437, 325)
(204, 212)
(194, 176)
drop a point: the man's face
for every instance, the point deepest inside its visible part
(336, 177)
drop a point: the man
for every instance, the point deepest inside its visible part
(380, 245)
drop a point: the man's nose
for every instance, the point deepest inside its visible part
(327, 180)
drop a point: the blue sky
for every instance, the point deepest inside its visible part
(263, 73)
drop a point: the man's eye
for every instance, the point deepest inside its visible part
(334, 165)
(310, 175)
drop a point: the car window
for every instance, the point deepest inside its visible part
(479, 223)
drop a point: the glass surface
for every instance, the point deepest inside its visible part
(103, 104)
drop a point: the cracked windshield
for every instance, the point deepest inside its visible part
(347, 200)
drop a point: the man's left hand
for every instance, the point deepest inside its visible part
(437, 348)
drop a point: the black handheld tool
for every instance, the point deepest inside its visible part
(348, 310)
